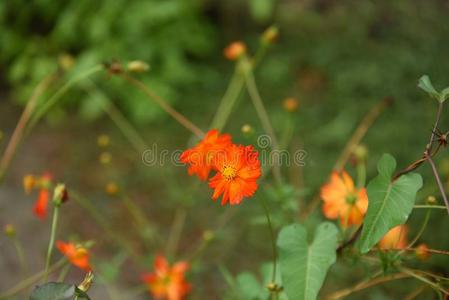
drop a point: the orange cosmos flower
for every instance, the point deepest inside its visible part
(167, 282)
(342, 200)
(78, 256)
(235, 50)
(396, 238)
(43, 183)
(238, 169)
(201, 156)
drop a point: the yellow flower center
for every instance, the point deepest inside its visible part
(229, 172)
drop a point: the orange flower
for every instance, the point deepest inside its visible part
(396, 238)
(422, 252)
(43, 183)
(238, 169)
(342, 200)
(78, 256)
(167, 282)
(235, 50)
(201, 156)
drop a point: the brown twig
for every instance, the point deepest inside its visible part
(21, 124)
(365, 284)
(164, 105)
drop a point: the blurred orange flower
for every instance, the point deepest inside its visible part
(342, 200)
(43, 183)
(78, 256)
(396, 238)
(422, 252)
(201, 156)
(238, 169)
(234, 50)
(167, 282)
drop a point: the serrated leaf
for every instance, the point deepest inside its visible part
(53, 291)
(425, 84)
(389, 203)
(303, 266)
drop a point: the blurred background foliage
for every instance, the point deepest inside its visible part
(339, 58)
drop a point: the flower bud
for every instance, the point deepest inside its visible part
(422, 252)
(66, 61)
(60, 194)
(247, 129)
(111, 189)
(29, 182)
(103, 140)
(270, 35)
(87, 282)
(431, 200)
(9, 230)
(235, 50)
(105, 158)
(360, 152)
(290, 104)
(138, 66)
(208, 235)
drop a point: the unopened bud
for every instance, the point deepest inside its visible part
(60, 194)
(9, 230)
(66, 61)
(274, 287)
(360, 152)
(270, 35)
(235, 50)
(431, 200)
(290, 104)
(138, 66)
(422, 252)
(247, 129)
(105, 158)
(208, 235)
(103, 140)
(111, 189)
(29, 182)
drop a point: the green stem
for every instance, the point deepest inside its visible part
(54, 225)
(361, 174)
(263, 116)
(20, 255)
(430, 206)
(433, 285)
(59, 93)
(273, 239)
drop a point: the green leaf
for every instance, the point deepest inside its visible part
(249, 287)
(425, 84)
(444, 95)
(304, 266)
(389, 203)
(53, 291)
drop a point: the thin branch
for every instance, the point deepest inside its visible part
(438, 180)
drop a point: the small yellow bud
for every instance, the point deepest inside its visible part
(360, 152)
(60, 194)
(247, 129)
(270, 35)
(291, 104)
(422, 252)
(208, 235)
(111, 189)
(138, 66)
(235, 50)
(66, 61)
(431, 200)
(105, 158)
(9, 230)
(103, 140)
(29, 182)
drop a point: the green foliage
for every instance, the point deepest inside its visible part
(57, 291)
(425, 84)
(170, 35)
(390, 203)
(303, 265)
